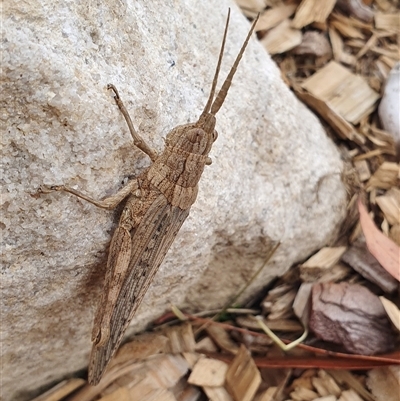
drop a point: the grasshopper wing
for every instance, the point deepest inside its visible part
(150, 243)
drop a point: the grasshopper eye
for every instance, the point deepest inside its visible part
(215, 135)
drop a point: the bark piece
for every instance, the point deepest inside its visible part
(352, 316)
(312, 10)
(361, 260)
(243, 376)
(356, 8)
(314, 43)
(346, 93)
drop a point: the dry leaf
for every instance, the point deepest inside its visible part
(383, 248)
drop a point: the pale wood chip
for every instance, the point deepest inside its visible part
(206, 344)
(390, 205)
(329, 383)
(167, 370)
(346, 93)
(191, 358)
(61, 390)
(312, 10)
(342, 128)
(363, 171)
(222, 339)
(394, 234)
(181, 338)
(274, 16)
(268, 395)
(392, 311)
(217, 394)
(350, 395)
(326, 398)
(384, 383)
(385, 177)
(254, 6)
(141, 347)
(281, 38)
(387, 21)
(302, 302)
(345, 28)
(344, 376)
(120, 394)
(303, 394)
(208, 372)
(243, 377)
(325, 257)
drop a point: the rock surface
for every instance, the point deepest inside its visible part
(275, 175)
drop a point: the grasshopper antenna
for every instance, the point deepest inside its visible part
(219, 100)
(215, 79)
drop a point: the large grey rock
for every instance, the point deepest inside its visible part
(275, 175)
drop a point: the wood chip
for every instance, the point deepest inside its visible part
(181, 338)
(274, 16)
(206, 344)
(343, 25)
(217, 394)
(312, 10)
(346, 377)
(281, 38)
(302, 302)
(384, 383)
(325, 257)
(346, 93)
(343, 129)
(222, 339)
(121, 394)
(385, 177)
(390, 205)
(303, 394)
(392, 311)
(243, 378)
(388, 21)
(350, 395)
(268, 395)
(208, 372)
(61, 390)
(363, 171)
(141, 347)
(351, 315)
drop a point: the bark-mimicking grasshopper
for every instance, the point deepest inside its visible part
(158, 203)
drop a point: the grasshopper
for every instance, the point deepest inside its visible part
(158, 202)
